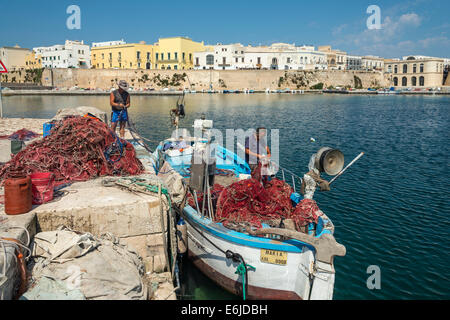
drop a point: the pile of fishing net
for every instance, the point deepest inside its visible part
(23, 135)
(78, 149)
(250, 203)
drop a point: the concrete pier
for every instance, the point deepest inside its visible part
(95, 208)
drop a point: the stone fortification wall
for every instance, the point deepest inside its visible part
(206, 79)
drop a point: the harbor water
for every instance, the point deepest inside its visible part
(390, 210)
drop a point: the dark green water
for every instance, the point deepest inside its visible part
(391, 209)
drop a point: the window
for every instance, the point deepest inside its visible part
(138, 54)
(288, 60)
(395, 81)
(190, 57)
(197, 62)
(421, 68)
(209, 59)
(243, 60)
(395, 69)
(176, 55)
(237, 60)
(162, 56)
(131, 64)
(184, 55)
(422, 81)
(148, 56)
(175, 67)
(414, 81)
(405, 68)
(168, 56)
(404, 81)
(157, 56)
(414, 68)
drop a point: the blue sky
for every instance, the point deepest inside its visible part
(408, 27)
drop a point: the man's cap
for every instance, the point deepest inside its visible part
(123, 85)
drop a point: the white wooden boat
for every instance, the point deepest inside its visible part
(295, 266)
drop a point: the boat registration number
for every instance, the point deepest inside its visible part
(274, 257)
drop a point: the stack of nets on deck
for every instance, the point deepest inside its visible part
(78, 149)
(249, 203)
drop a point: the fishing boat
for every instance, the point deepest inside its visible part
(268, 263)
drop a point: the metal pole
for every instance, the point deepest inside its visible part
(348, 166)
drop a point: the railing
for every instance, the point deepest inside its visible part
(288, 176)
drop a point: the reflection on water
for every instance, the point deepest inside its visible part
(390, 209)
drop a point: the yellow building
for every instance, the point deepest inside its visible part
(176, 53)
(122, 56)
(33, 61)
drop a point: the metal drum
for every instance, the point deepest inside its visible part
(330, 161)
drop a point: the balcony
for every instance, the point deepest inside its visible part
(167, 61)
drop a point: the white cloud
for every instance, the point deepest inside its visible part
(389, 41)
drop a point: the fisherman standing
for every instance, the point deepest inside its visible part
(312, 179)
(257, 153)
(120, 102)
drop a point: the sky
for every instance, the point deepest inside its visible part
(420, 27)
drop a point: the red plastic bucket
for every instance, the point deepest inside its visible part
(42, 185)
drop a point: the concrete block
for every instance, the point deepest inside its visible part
(148, 264)
(159, 263)
(90, 207)
(165, 291)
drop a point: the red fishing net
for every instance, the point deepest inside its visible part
(78, 149)
(250, 203)
(23, 135)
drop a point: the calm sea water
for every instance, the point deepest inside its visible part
(391, 209)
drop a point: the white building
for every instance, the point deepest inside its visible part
(278, 56)
(73, 54)
(108, 43)
(353, 63)
(371, 63)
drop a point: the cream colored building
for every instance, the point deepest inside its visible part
(428, 72)
(120, 55)
(176, 53)
(14, 58)
(336, 59)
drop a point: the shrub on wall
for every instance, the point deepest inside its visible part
(318, 86)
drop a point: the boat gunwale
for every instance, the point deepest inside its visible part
(239, 238)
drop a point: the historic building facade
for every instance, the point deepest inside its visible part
(412, 72)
